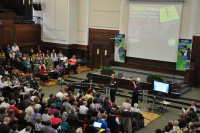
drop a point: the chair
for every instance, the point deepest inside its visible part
(126, 124)
(36, 70)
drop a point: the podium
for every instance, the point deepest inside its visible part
(107, 91)
(144, 99)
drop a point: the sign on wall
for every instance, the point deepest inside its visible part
(184, 54)
(119, 48)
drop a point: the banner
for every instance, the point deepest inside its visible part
(184, 54)
(119, 48)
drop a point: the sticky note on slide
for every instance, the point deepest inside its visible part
(168, 14)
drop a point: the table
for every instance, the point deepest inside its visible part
(165, 103)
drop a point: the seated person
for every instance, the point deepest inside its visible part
(44, 74)
(24, 58)
(18, 54)
(182, 120)
(23, 80)
(73, 64)
(193, 105)
(53, 73)
(8, 65)
(59, 69)
(16, 84)
(60, 55)
(50, 63)
(2, 55)
(55, 120)
(4, 87)
(28, 89)
(10, 85)
(15, 73)
(135, 108)
(40, 54)
(63, 59)
(15, 48)
(31, 79)
(66, 66)
(27, 65)
(54, 57)
(64, 126)
(46, 59)
(104, 123)
(18, 63)
(31, 52)
(113, 122)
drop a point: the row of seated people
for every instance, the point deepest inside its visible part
(188, 122)
(32, 60)
(16, 84)
(65, 113)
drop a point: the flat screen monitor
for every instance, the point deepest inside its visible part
(161, 87)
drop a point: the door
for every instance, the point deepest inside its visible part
(106, 54)
(97, 53)
(100, 54)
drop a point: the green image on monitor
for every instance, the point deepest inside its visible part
(168, 14)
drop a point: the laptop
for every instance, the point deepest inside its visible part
(97, 125)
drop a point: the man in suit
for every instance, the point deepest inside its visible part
(113, 87)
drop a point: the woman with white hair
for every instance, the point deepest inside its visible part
(135, 86)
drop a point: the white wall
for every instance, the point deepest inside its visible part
(82, 24)
(59, 21)
(68, 21)
(105, 14)
(197, 18)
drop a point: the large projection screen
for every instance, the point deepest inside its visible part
(153, 31)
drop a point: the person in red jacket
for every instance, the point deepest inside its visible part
(44, 74)
(12, 106)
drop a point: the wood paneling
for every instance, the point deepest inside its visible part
(7, 32)
(28, 33)
(101, 37)
(106, 37)
(195, 59)
(18, 7)
(81, 51)
(150, 65)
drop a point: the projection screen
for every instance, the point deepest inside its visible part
(153, 31)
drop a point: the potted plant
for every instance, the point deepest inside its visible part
(152, 77)
(106, 70)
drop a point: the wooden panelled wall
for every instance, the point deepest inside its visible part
(27, 35)
(101, 37)
(81, 51)
(17, 5)
(195, 61)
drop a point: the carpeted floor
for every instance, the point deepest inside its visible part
(149, 117)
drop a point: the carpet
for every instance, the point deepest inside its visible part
(149, 117)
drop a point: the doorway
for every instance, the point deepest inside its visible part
(100, 54)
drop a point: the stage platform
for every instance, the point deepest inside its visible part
(129, 73)
(183, 100)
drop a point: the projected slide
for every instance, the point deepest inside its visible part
(154, 31)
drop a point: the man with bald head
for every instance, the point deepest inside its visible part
(113, 87)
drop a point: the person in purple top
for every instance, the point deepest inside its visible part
(36, 114)
(135, 86)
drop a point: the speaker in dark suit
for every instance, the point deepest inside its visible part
(113, 87)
